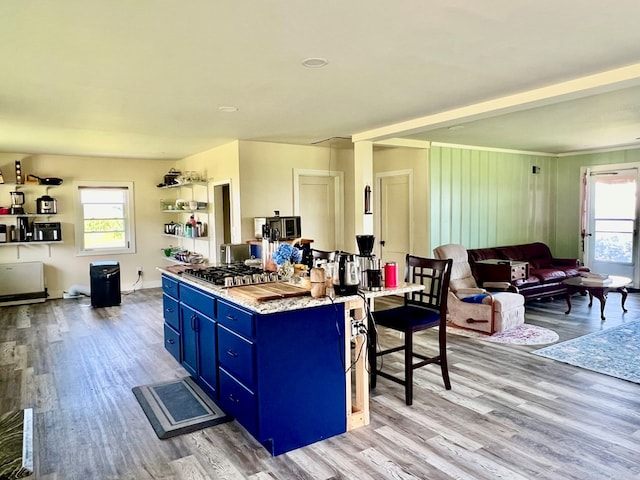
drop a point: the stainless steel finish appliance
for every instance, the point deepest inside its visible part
(234, 252)
(46, 205)
(347, 280)
(46, 231)
(231, 275)
(287, 228)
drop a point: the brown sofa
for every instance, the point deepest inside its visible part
(546, 273)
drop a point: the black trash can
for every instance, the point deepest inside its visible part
(105, 283)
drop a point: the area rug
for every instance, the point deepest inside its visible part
(614, 351)
(16, 444)
(177, 407)
(524, 334)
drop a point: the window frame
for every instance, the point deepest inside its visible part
(129, 218)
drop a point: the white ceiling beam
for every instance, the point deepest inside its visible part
(572, 89)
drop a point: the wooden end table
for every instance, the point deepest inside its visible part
(600, 291)
(496, 270)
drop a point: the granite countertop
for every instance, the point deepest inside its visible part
(285, 304)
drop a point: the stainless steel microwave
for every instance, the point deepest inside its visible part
(288, 228)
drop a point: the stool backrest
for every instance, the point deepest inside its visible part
(435, 275)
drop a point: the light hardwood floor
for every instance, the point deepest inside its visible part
(510, 415)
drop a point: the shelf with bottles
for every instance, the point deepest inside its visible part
(201, 237)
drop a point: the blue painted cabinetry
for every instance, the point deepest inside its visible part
(190, 333)
(171, 315)
(281, 375)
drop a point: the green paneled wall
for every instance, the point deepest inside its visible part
(485, 198)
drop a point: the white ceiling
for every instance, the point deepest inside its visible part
(146, 78)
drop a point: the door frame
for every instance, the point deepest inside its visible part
(338, 191)
(377, 199)
(585, 172)
(234, 214)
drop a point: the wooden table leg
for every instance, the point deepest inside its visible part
(624, 292)
(357, 403)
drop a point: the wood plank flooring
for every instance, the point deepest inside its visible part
(510, 415)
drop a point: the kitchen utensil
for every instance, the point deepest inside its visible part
(47, 180)
(46, 205)
(348, 278)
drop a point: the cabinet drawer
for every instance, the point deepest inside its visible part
(237, 355)
(172, 341)
(198, 300)
(235, 319)
(239, 402)
(171, 311)
(518, 272)
(170, 287)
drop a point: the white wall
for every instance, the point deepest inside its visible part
(62, 267)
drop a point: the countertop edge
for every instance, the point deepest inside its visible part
(286, 304)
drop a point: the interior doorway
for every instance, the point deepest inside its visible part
(612, 207)
(221, 221)
(319, 201)
(394, 231)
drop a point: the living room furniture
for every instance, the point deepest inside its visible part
(421, 310)
(496, 270)
(545, 274)
(476, 308)
(600, 291)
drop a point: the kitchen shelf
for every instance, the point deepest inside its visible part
(38, 242)
(10, 215)
(179, 185)
(175, 210)
(201, 237)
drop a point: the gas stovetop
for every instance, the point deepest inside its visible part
(231, 274)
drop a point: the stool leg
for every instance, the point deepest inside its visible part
(408, 367)
(442, 345)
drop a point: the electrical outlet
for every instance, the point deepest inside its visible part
(139, 270)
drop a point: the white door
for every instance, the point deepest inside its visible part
(317, 210)
(611, 240)
(395, 218)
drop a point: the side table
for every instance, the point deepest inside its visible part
(496, 270)
(598, 290)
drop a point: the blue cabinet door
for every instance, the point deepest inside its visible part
(208, 362)
(189, 338)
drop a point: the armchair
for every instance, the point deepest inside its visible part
(476, 308)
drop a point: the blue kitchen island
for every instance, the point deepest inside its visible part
(282, 367)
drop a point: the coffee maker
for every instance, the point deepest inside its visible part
(370, 272)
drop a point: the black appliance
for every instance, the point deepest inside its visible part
(46, 231)
(348, 279)
(280, 228)
(370, 271)
(24, 232)
(105, 283)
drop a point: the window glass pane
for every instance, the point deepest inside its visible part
(93, 210)
(105, 240)
(613, 247)
(99, 195)
(109, 225)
